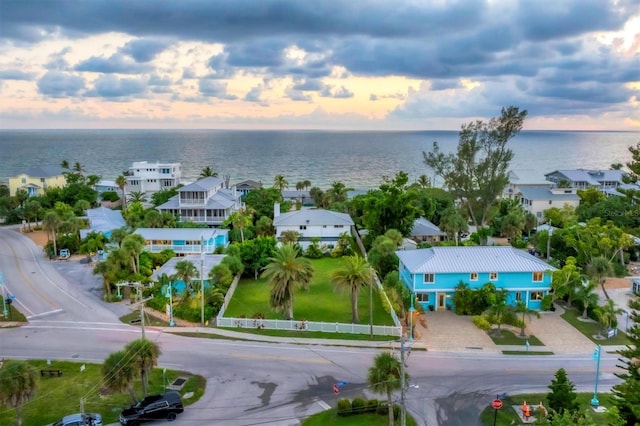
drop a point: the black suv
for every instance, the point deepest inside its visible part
(164, 406)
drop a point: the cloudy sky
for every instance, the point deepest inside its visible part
(319, 64)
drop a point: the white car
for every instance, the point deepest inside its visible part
(86, 419)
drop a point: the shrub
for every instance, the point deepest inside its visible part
(546, 303)
(372, 405)
(314, 251)
(358, 406)
(111, 196)
(396, 411)
(481, 322)
(344, 407)
(382, 409)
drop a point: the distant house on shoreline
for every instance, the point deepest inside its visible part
(36, 180)
(607, 181)
(149, 178)
(312, 223)
(246, 186)
(425, 231)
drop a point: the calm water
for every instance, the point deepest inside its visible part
(358, 159)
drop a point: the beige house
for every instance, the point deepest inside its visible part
(37, 179)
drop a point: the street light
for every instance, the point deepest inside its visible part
(596, 356)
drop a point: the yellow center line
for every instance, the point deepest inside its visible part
(278, 358)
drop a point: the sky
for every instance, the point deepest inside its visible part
(318, 64)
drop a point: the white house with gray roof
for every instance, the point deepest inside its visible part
(312, 223)
(208, 201)
(183, 241)
(433, 274)
(538, 198)
(607, 181)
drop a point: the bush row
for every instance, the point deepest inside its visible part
(359, 405)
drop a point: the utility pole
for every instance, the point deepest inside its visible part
(403, 385)
(202, 281)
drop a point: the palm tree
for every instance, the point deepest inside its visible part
(186, 271)
(280, 182)
(137, 197)
(208, 172)
(522, 308)
(132, 246)
(240, 220)
(93, 242)
(51, 223)
(585, 294)
(306, 183)
(65, 164)
(121, 181)
(452, 222)
(118, 373)
(385, 376)
(18, 384)
(32, 210)
(144, 354)
(153, 219)
(118, 235)
(608, 314)
(284, 271)
(354, 274)
(498, 309)
(299, 185)
(423, 181)
(598, 268)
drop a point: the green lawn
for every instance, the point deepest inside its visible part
(330, 418)
(311, 334)
(59, 396)
(509, 338)
(507, 416)
(591, 329)
(321, 303)
(149, 320)
(12, 314)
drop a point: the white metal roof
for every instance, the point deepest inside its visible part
(313, 217)
(179, 234)
(169, 268)
(471, 259)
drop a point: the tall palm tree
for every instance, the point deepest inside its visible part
(133, 246)
(522, 308)
(423, 181)
(354, 274)
(598, 268)
(65, 164)
(241, 220)
(18, 384)
(385, 377)
(51, 223)
(208, 172)
(585, 294)
(121, 182)
(118, 373)
(306, 183)
(299, 185)
(144, 354)
(498, 310)
(186, 271)
(280, 182)
(284, 271)
(137, 197)
(118, 235)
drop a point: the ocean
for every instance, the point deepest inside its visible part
(359, 159)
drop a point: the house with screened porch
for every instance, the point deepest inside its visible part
(432, 274)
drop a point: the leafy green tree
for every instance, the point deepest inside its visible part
(160, 197)
(261, 201)
(221, 275)
(255, 254)
(478, 172)
(118, 373)
(93, 242)
(585, 294)
(134, 214)
(144, 355)
(626, 395)
(286, 270)
(317, 195)
(240, 220)
(208, 172)
(598, 268)
(565, 281)
(452, 222)
(152, 219)
(290, 237)
(264, 227)
(561, 217)
(18, 385)
(385, 377)
(382, 255)
(498, 310)
(608, 315)
(118, 235)
(354, 274)
(562, 396)
(463, 299)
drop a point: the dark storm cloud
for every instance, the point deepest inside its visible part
(110, 86)
(13, 74)
(58, 84)
(117, 63)
(144, 50)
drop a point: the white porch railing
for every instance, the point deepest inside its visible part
(297, 325)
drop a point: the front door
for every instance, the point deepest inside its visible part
(441, 301)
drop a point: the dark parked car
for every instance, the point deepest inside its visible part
(163, 406)
(87, 419)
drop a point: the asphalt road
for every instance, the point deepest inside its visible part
(252, 383)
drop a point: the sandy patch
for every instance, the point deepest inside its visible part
(38, 237)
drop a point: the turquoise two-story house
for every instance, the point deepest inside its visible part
(432, 274)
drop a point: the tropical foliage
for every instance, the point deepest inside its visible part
(354, 275)
(18, 384)
(385, 377)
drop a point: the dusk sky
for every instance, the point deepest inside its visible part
(334, 64)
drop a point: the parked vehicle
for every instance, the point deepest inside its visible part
(86, 419)
(166, 405)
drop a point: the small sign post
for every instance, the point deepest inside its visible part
(496, 404)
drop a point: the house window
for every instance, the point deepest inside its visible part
(338, 226)
(429, 278)
(303, 227)
(537, 276)
(493, 276)
(518, 296)
(536, 295)
(324, 226)
(473, 276)
(422, 297)
(24, 180)
(550, 202)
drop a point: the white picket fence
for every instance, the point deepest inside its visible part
(297, 325)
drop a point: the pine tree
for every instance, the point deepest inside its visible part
(626, 395)
(562, 396)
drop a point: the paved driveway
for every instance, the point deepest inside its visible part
(559, 336)
(448, 332)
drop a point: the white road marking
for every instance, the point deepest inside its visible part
(55, 311)
(324, 405)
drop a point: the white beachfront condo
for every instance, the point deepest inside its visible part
(208, 201)
(149, 178)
